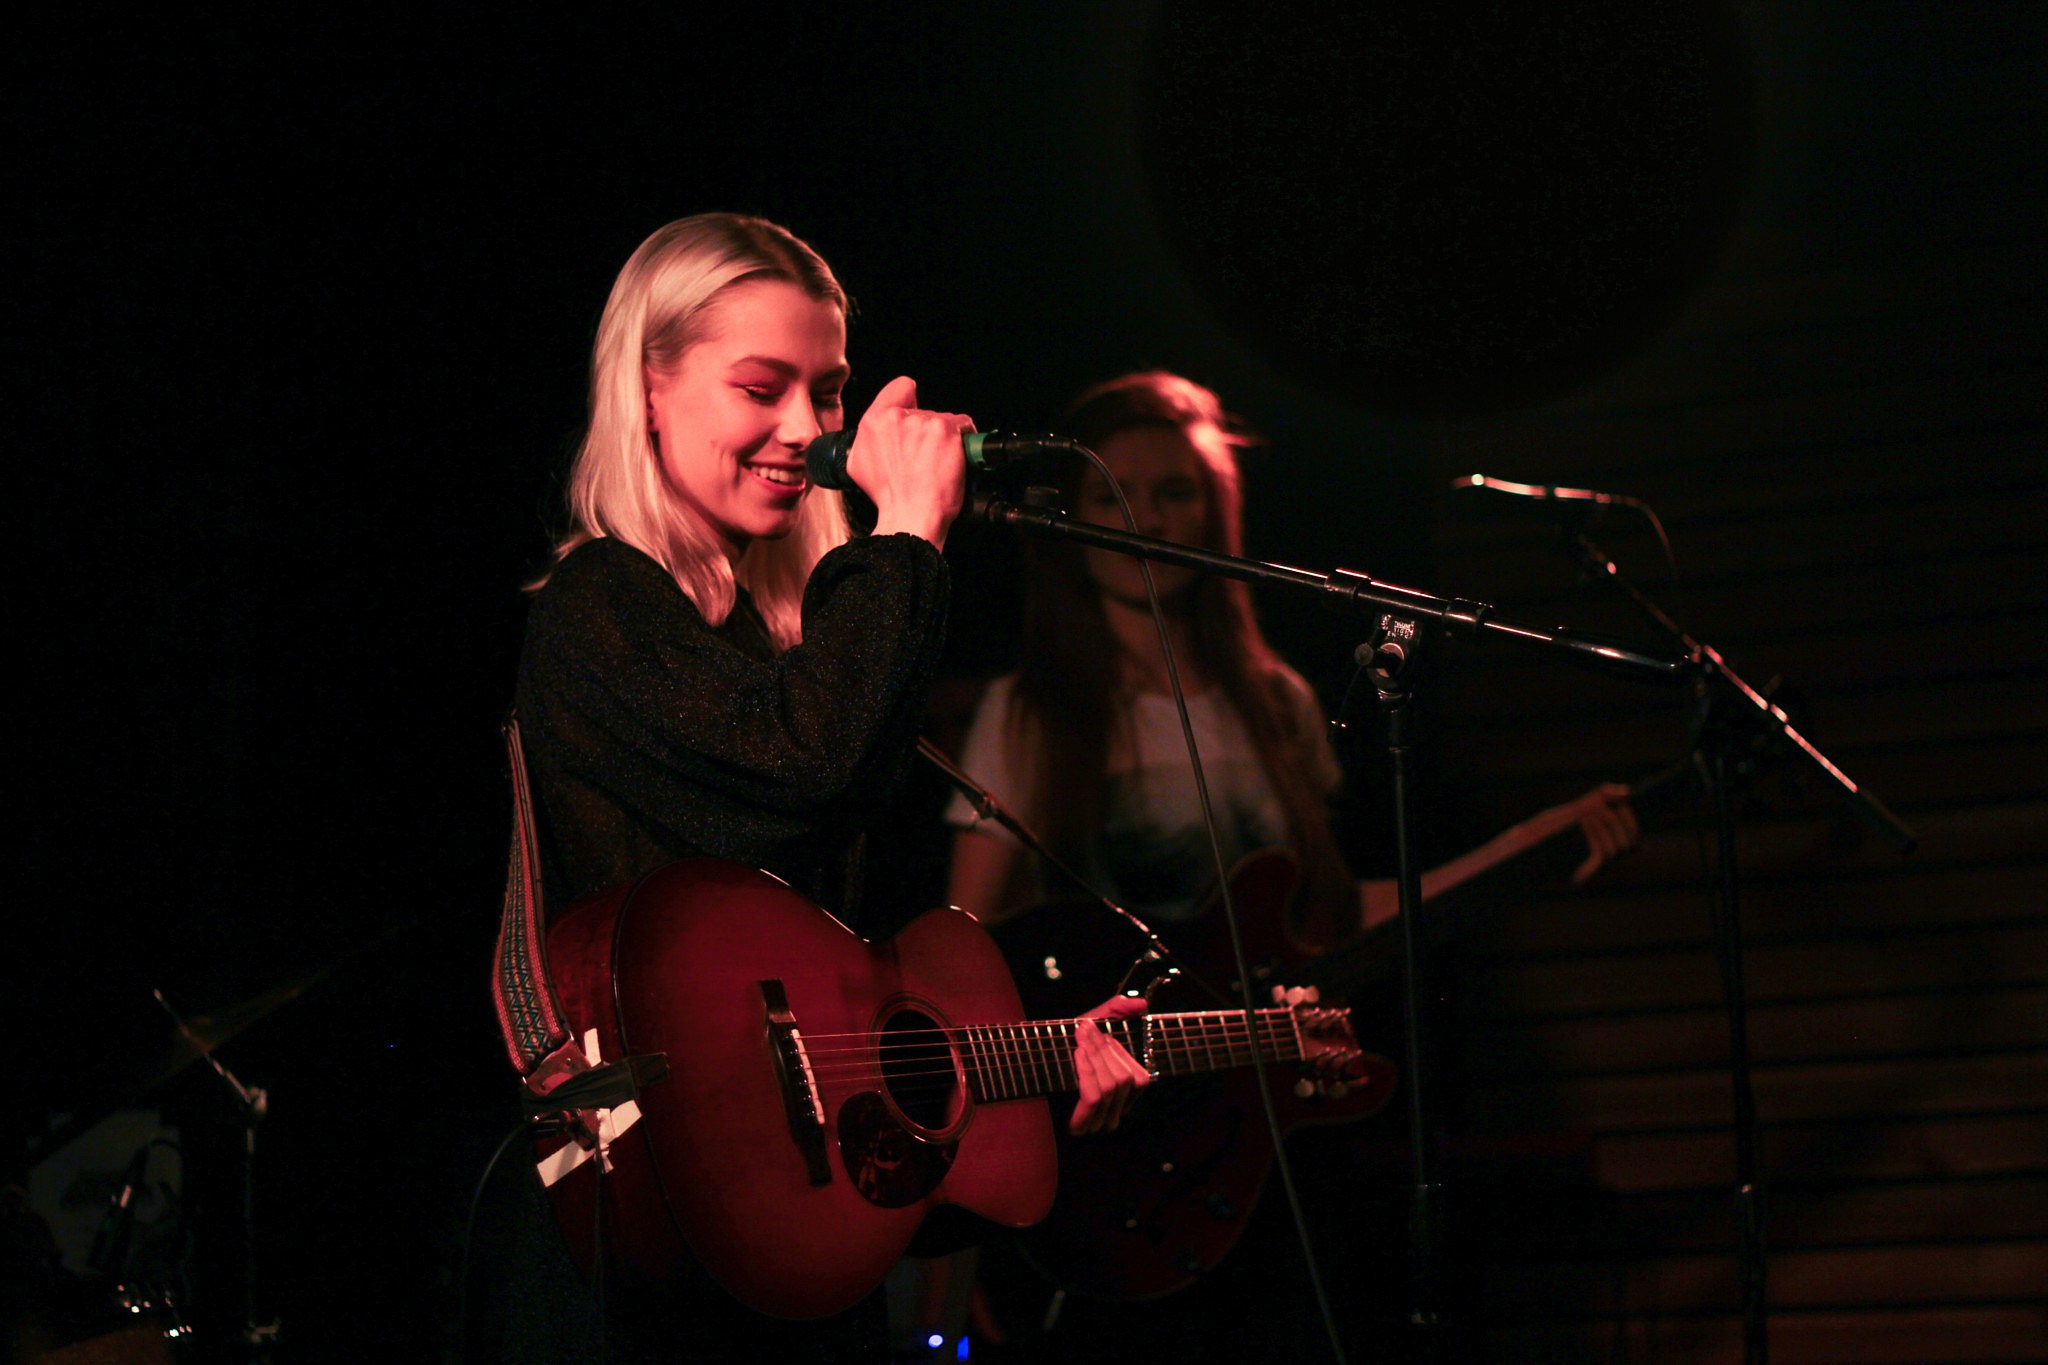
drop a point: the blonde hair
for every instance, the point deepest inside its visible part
(660, 306)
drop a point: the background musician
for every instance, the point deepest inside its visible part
(1083, 740)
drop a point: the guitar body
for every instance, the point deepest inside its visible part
(719, 1167)
(1147, 1209)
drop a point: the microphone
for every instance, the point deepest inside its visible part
(984, 451)
(1542, 492)
(1585, 506)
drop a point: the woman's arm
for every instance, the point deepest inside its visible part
(1603, 815)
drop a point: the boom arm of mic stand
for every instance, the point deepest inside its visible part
(1748, 702)
(1357, 592)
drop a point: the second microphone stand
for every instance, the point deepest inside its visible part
(1403, 617)
(1728, 718)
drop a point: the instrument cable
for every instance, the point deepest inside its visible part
(476, 1200)
(1229, 904)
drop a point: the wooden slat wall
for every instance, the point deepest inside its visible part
(1843, 432)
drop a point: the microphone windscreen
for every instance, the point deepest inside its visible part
(825, 460)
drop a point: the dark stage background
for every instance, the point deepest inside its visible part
(302, 307)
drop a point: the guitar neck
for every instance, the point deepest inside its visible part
(1540, 829)
(1036, 1058)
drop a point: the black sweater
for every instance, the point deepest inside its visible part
(652, 736)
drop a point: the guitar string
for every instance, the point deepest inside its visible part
(1208, 1021)
(1197, 1042)
(1208, 1040)
(1215, 1035)
(1028, 1055)
(1175, 1059)
(1059, 1067)
(944, 1059)
(840, 1057)
(1025, 1070)
(940, 1060)
(1268, 1013)
(986, 1057)
(1233, 1018)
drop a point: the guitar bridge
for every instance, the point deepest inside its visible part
(800, 1098)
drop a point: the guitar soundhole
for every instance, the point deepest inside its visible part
(918, 1069)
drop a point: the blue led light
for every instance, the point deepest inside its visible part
(935, 1341)
(960, 1353)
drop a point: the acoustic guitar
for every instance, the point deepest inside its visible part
(825, 1093)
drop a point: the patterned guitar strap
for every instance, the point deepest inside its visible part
(555, 1073)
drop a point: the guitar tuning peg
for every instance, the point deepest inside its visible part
(1279, 995)
(1304, 1089)
(1296, 995)
(1312, 994)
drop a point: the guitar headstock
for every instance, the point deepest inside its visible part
(1332, 1064)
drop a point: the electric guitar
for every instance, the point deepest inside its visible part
(824, 1093)
(1146, 1210)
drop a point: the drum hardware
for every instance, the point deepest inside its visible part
(152, 1302)
(253, 1104)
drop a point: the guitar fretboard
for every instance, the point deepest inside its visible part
(1017, 1061)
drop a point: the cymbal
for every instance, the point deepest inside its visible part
(130, 1082)
(198, 1037)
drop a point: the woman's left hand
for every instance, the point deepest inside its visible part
(1609, 824)
(1110, 1077)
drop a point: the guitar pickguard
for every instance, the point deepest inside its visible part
(890, 1165)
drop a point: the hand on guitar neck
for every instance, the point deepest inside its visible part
(1107, 1077)
(1603, 815)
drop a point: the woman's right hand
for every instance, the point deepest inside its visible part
(1609, 824)
(910, 462)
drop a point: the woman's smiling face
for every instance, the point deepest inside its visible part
(731, 421)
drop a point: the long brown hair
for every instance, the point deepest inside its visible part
(1069, 706)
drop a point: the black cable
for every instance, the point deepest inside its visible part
(597, 1258)
(468, 1239)
(1649, 514)
(1229, 904)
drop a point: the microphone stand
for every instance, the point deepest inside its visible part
(1724, 708)
(1402, 616)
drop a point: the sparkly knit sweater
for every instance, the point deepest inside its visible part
(652, 735)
